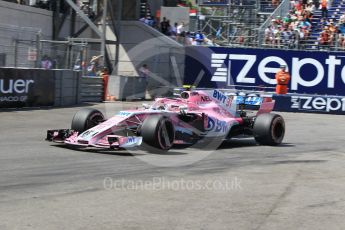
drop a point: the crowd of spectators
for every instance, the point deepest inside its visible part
(294, 30)
(177, 31)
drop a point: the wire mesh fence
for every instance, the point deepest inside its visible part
(26, 47)
(15, 44)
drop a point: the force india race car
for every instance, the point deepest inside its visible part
(194, 116)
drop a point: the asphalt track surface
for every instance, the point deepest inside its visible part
(298, 185)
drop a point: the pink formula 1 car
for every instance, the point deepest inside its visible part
(194, 116)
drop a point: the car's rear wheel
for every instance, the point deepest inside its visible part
(85, 119)
(158, 132)
(269, 129)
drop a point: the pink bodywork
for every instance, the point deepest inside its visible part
(221, 110)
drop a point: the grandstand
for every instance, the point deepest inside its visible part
(79, 35)
(334, 12)
(230, 22)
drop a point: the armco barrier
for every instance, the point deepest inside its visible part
(67, 87)
(91, 89)
(310, 104)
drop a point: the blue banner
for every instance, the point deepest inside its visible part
(312, 72)
(310, 104)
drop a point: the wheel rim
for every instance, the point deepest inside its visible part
(278, 131)
(165, 134)
(94, 120)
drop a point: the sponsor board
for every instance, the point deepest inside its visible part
(311, 104)
(26, 87)
(312, 72)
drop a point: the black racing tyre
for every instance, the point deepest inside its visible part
(85, 119)
(158, 132)
(269, 129)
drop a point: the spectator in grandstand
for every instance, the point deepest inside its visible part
(180, 28)
(210, 42)
(325, 38)
(332, 27)
(199, 38)
(94, 66)
(301, 38)
(342, 18)
(304, 3)
(341, 40)
(278, 20)
(287, 20)
(324, 8)
(269, 37)
(180, 31)
(275, 3)
(322, 24)
(277, 36)
(316, 3)
(188, 40)
(46, 62)
(169, 28)
(164, 26)
(298, 5)
(148, 21)
(287, 38)
(173, 31)
(310, 10)
(77, 65)
(304, 28)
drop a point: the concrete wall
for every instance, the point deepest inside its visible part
(141, 44)
(176, 15)
(23, 23)
(26, 16)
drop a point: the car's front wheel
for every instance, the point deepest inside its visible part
(85, 119)
(158, 132)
